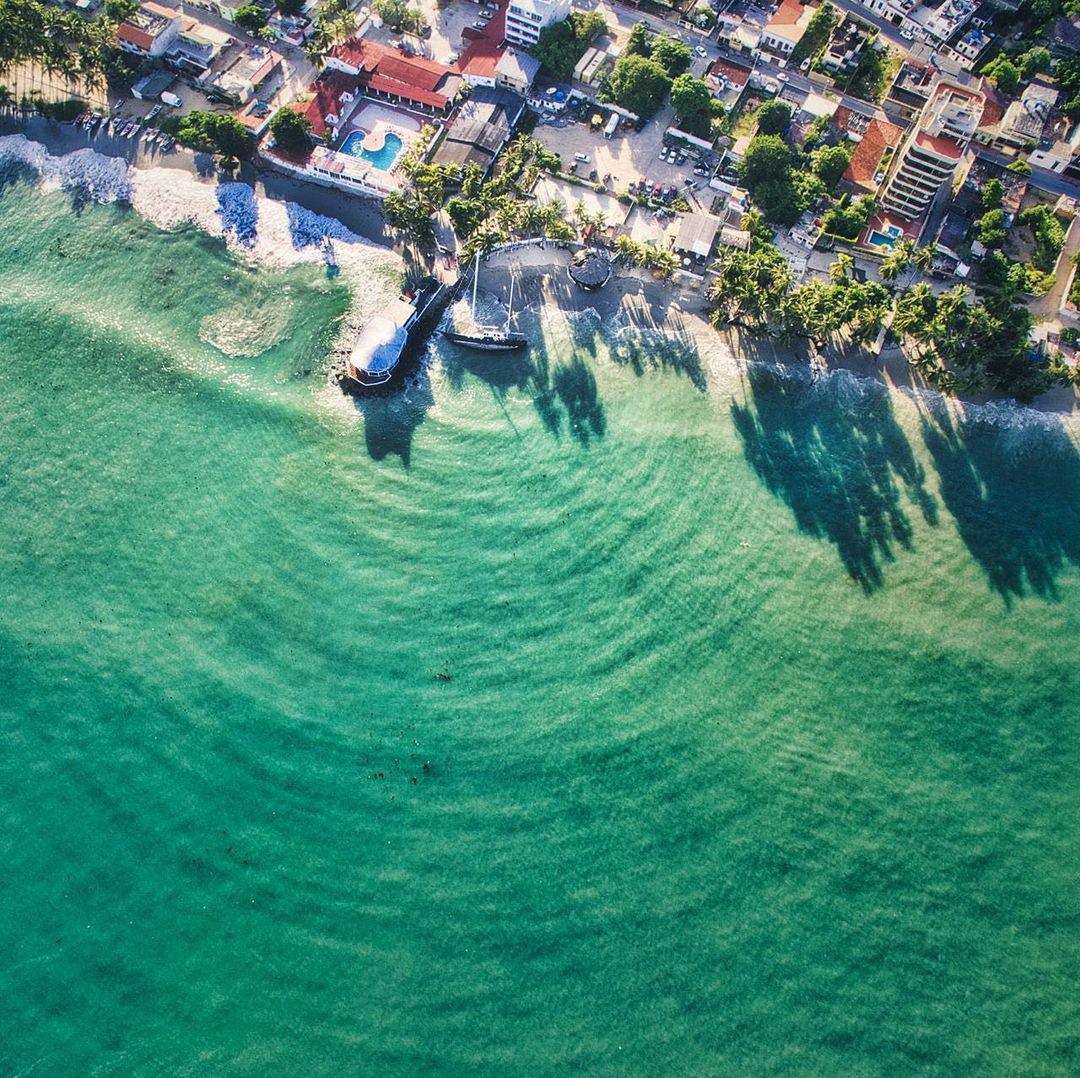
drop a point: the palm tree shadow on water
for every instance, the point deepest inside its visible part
(565, 395)
(840, 462)
(1013, 489)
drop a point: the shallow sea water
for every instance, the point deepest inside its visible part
(614, 712)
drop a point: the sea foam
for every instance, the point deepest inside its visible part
(274, 234)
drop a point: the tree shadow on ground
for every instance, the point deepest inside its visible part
(1013, 489)
(835, 455)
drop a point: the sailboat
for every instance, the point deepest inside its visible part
(489, 338)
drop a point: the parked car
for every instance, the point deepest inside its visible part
(479, 24)
(907, 35)
(582, 157)
(680, 159)
(805, 65)
(657, 188)
(783, 76)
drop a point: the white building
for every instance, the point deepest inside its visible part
(526, 18)
(928, 160)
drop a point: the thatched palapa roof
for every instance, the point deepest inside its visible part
(590, 268)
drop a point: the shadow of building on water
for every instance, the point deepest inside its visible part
(835, 455)
(1013, 489)
(391, 419)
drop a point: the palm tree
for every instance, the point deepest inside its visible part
(842, 267)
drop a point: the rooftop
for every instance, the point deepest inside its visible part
(863, 166)
(697, 233)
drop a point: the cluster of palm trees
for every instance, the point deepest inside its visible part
(905, 257)
(662, 263)
(56, 43)
(486, 213)
(755, 289)
(336, 22)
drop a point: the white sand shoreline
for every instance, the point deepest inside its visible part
(263, 222)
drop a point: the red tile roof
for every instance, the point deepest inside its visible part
(736, 74)
(994, 107)
(327, 100)
(133, 35)
(412, 78)
(480, 59)
(788, 14)
(867, 154)
(942, 145)
(411, 93)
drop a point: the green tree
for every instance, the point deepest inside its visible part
(779, 200)
(830, 163)
(210, 132)
(1004, 74)
(766, 158)
(250, 17)
(1021, 168)
(773, 118)
(120, 10)
(672, 55)
(993, 194)
(637, 44)
(991, 232)
(1034, 61)
(637, 84)
(290, 131)
(694, 105)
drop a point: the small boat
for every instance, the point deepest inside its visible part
(134, 129)
(489, 338)
(382, 342)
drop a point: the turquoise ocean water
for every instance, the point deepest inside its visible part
(614, 713)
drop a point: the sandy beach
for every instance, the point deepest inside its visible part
(631, 298)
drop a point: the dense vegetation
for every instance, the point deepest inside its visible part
(694, 105)
(957, 344)
(562, 44)
(774, 175)
(59, 42)
(638, 84)
(210, 132)
(816, 36)
(399, 16)
(291, 131)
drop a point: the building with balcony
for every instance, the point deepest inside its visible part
(526, 18)
(786, 26)
(927, 161)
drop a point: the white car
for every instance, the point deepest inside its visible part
(782, 76)
(907, 35)
(700, 50)
(584, 157)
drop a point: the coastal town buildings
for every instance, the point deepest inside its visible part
(786, 26)
(928, 159)
(526, 18)
(391, 75)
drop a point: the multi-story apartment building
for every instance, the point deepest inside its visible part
(928, 159)
(526, 18)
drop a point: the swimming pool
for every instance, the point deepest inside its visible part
(381, 159)
(887, 238)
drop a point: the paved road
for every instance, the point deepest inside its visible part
(1041, 177)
